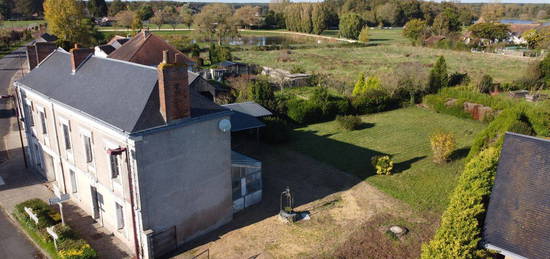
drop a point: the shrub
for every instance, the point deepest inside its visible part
(438, 76)
(76, 249)
(276, 130)
(439, 104)
(364, 34)
(47, 216)
(297, 70)
(349, 122)
(372, 102)
(303, 112)
(443, 144)
(457, 78)
(485, 85)
(382, 164)
(460, 231)
(350, 25)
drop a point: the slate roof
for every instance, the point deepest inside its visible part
(146, 49)
(518, 216)
(46, 37)
(242, 121)
(121, 94)
(106, 48)
(250, 108)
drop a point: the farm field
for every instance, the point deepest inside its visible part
(346, 62)
(402, 134)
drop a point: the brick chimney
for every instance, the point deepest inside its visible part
(173, 88)
(38, 52)
(78, 55)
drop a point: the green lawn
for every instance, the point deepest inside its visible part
(345, 63)
(18, 24)
(403, 134)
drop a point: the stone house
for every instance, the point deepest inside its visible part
(141, 152)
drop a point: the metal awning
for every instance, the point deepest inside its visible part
(238, 159)
(241, 121)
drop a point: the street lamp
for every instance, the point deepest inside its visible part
(9, 96)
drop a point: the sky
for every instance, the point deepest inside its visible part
(462, 1)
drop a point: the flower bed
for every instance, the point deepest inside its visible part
(69, 245)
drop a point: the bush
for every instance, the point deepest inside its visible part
(350, 25)
(276, 130)
(443, 144)
(297, 70)
(457, 78)
(382, 164)
(485, 85)
(364, 34)
(47, 216)
(349, 122)
(303, 112)
(373, 101)
(69, 245)
(461, 224)
(439, 104)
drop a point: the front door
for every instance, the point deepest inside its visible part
(97, 202)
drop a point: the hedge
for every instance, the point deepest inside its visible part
(439, 104)
(493, 135)
(69, 245)
(459, 234)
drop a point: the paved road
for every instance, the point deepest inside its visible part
(13, 243)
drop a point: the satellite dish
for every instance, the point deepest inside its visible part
(224, 125)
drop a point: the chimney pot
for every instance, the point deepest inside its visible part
(165, 56)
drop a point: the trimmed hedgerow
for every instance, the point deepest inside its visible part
(461, 224)
(514, 120)
(70, 246)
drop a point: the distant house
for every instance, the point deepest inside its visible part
(46, 37)
(205, 88)
(117, 41)
(517, 224)
(286, 79)
(146, 48)
(235, 68)
(517, 30)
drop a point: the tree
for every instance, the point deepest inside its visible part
(145, 12)
(364, 35)
(261, 92)
(115, 7)
(306, 25)
(533, 38)
(248, 16)
(542, 14)
(319, 16)
(350, 26)
(186, 16)
(171, 16)
(490, 31)
(157, 19)
(125, 18)
(97, 8)
(387, 14)
(359, 85)
(29, 7)
(446, 22)
(216, 20)
(5, 9)
(439, 77)
(415, 30)
(66, 20)
(492, 12)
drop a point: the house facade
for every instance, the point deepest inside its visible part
(146, 157)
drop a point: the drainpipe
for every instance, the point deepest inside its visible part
(131, 187)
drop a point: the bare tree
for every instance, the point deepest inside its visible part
(125, 18)
(186, 16)
(248, 16)
(171, 16)
(157, 19)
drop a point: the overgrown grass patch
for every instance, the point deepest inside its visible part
(404, 135)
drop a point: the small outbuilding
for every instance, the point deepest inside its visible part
(517, 224)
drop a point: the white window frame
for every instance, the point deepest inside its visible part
(74, 181)
(43, 125)
(116, 182)
(87, 133)
(68, 151)
(119, 214)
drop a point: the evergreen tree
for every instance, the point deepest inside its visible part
(350, 26)
(97, 8)
(359, 85)
(319, 18)
(145, 12)
(439, 77)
